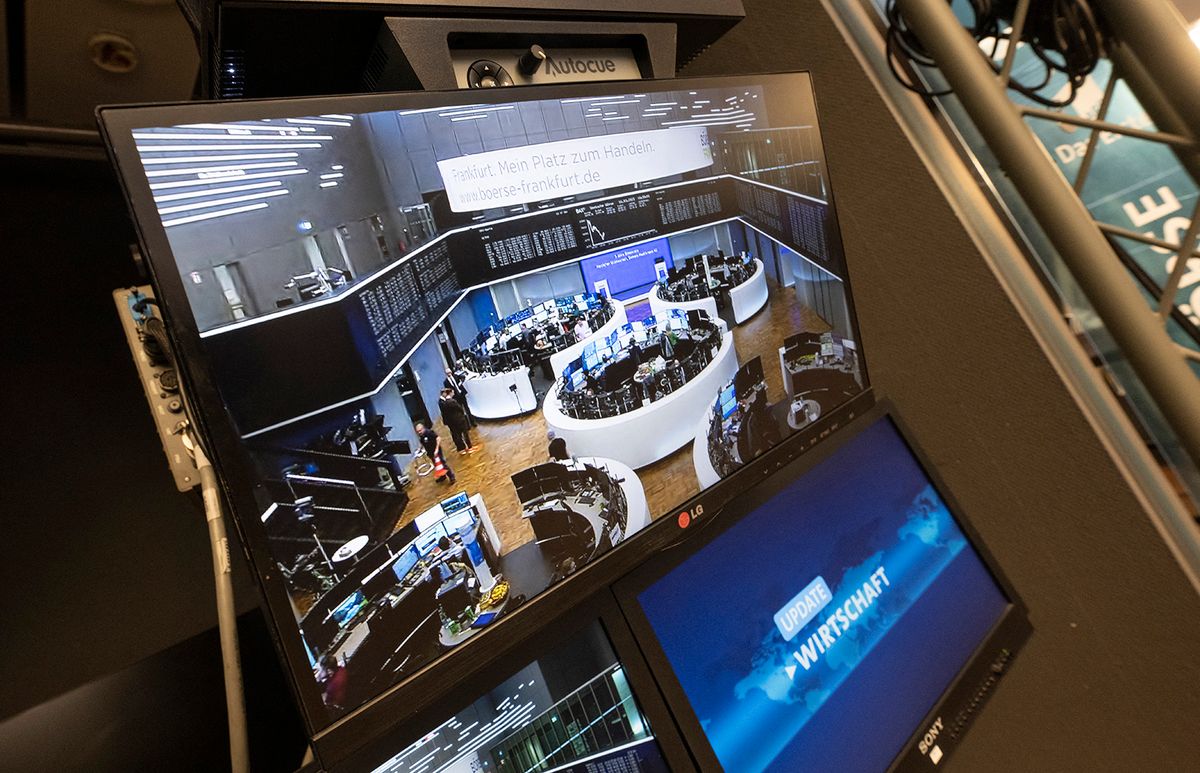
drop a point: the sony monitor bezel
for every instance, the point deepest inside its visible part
(966, 692)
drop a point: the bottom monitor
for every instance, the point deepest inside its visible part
(570, 711)
(845, 621)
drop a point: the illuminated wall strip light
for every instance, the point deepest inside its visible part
(342, 116)
(730, 117)
(616, 118)
(208, 159)
(332, 176)
(467, 118)
(432, 110)
(317, 122)
(331, 184)
(217, 191)
(267, 513)
(220, 202)
(731, 99)
(212, 215)
(267, 141)
(337, 167)
(449, 113)
(219, 180)
(621, 102)
(232, 168)
(663, 104)
(184, 148)
(239, 127)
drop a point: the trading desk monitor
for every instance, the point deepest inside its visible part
(572, 710)
(351, 280)
(861, 601)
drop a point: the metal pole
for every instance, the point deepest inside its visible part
(1068, 224)
(235, 702)
(1157, 35)
(1156, 103)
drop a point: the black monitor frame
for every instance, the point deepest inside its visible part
(962, 698)
(335, 738)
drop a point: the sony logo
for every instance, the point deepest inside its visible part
(572, 66)
(930, 736)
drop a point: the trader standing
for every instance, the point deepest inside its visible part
(455, 381)
(456, 419)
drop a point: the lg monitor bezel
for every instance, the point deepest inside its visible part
(117, 124)
(957, 703)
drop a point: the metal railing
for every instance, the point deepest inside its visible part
(1159, 362)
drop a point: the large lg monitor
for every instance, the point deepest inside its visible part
(318, 259)
(871, 622)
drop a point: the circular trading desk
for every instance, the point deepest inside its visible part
(653, 431)
(745, 299)
(637, 510)
(659, 305)
(499, 395)
(750, 296)
(561, 359)
(701, 457)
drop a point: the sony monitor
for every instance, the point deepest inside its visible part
(871, 627)
(443, 211)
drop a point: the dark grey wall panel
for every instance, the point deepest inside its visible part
(1109, 679)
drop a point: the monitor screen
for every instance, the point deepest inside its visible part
(446, 211)
(456, 502)
(571, 710)
(405, 563)
(727, 393)
(629, 271)
(861, 599)
(428, 540)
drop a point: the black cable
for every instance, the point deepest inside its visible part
(1064, 35)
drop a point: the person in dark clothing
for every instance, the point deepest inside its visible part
(433, 446)
(456, 419)
(334, 681)
(455, 381)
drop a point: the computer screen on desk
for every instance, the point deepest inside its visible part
(870, 601)
(325, 263)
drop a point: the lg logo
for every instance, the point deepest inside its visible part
(687, 516)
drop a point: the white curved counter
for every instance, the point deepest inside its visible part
(647, 434)
(637, 510)
(705, 472)
(750, 296)
(562, 359)
(492, 397)
(659, 306)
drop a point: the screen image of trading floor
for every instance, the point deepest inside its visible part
(470, 349)
(863, 602)
(570, 711)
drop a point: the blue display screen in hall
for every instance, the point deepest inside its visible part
(629, 271)
(860, 602)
